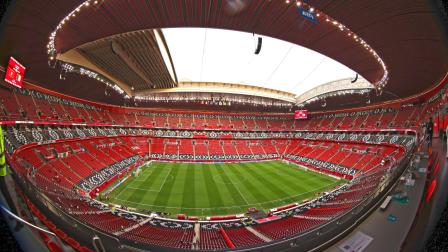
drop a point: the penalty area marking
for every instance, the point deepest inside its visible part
(146, 172)
(141, 189)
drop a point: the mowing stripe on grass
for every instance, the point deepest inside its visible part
(235, 193)
(268, 184)
(251, 174)
(248, 186)
(188, 199)
(297, 180)
(287, 181)
(214, 197)
(201, 197)
(137, 196)
(216, 189)
(164, 195)
(177, 192)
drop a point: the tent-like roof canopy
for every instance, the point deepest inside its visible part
(217, 55)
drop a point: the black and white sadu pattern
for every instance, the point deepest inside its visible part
(96, 204)
(54, 99)
(128, 216)
(323, 164)
(406, 141)
(37, 136)
(80, 133)
(215, 226)
(67, 133)
(213, 157)
(31, 134)
(218, 117)
(171, 224)
(53, 134)
(357, 113)
(96, 179)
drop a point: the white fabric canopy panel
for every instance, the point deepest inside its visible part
(216, 55)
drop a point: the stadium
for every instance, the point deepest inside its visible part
(223, 125)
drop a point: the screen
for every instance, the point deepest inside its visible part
(14, 73)
(301, 114)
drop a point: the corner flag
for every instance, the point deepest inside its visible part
(2, 155)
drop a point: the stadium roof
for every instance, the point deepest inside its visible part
(408, 36)
(216, 55)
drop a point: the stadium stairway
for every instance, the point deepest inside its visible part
(130, 228)
(259, 235)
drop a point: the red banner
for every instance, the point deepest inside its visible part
(301, 114)
(14, 73)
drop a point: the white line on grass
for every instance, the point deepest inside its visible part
(124, 189)
(167, 175)
(127, 187)
(237, 206)
(145, 174)
(141, 189)
(242, 196)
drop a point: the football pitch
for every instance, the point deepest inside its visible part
(198, 189)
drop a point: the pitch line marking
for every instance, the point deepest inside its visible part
(116, 197)
(146, 172)
(127, 187)
(140, 189)
(143, 177)
(226, 207)
(242, 196)
(164, 181)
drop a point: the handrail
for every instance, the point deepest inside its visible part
(6, 210)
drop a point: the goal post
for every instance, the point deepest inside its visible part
(137, 171)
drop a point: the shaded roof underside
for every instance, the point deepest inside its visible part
(134, 58)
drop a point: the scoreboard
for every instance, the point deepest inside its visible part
(301, 114)
(14, 73)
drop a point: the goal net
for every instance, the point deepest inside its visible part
(138, 170)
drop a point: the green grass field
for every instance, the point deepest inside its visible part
(219, 189)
